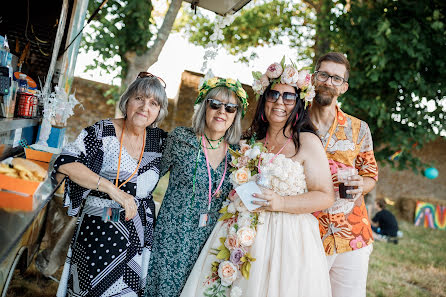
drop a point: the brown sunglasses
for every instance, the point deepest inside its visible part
(148, 74)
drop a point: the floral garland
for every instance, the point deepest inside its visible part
(229, 83)
(285, 74)
(233, 257)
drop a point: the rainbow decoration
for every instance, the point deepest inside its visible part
(430, 216)
(395, 156)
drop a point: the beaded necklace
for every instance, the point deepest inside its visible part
(209, 141)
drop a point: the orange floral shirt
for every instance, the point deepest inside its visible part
(345, 226)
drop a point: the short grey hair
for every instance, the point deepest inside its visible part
(233, 134)
(146, 87)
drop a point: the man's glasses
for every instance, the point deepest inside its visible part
(148, 74)
(216, 104)
(287, 97)
(324, 76)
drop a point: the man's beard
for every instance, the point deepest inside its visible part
(325, 95)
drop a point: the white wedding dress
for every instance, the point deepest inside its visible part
(290, 259)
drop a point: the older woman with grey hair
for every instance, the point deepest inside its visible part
(198, 161)
(111, 170)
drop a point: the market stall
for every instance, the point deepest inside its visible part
(38, 53)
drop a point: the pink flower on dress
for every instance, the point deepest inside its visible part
(357, 243)
(232, 242)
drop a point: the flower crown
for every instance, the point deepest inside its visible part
(285, 74)
(233, 85)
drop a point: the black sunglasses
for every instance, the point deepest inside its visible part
(216, 104)
(287, 97)
(148, 74)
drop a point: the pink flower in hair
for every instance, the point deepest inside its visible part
(304, 79)
(274, 70)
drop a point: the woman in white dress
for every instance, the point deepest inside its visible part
(288, 252)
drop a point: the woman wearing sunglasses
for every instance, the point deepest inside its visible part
(198, 160)
(283, 249)
(111, 170)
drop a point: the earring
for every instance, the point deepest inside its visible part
(261, 116)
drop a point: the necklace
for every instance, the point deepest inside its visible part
(209, 141)
(278, 153)
(119, 159)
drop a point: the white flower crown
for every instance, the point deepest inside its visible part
(285, 74)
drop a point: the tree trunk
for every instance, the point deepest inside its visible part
(322, 37)
(137, 63)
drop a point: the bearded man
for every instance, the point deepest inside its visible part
(345, 227)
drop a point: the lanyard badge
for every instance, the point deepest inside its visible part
(204, 217)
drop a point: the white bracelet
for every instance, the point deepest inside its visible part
(99, 181)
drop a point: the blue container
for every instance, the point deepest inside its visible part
(56, 137)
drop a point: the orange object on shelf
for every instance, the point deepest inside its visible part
(36, 155)
(16, 193)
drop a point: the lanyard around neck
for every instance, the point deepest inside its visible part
(119, 159)
(266, 139)
(209, 172)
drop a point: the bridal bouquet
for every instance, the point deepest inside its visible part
(239, 225)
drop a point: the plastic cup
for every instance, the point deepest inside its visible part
(343, 175)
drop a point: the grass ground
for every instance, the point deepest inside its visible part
(414, 267)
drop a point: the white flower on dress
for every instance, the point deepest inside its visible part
(246, 236)
(244, 219)
(231, 208)
(253, 153)
(232, 242)
(241, 176)
(236, 291)
(239, 206)
(227, 273)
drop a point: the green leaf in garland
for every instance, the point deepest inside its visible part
(282, 62)
(256, 74)
(224, 254)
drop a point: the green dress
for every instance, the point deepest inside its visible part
(178, 239)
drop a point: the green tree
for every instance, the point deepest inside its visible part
(302, 24)
(125, 29)
(398, 80)
(395, 48)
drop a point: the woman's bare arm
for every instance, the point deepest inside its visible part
(84, 177)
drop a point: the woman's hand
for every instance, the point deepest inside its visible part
(273, 201)
(127, 201)
(233, 195)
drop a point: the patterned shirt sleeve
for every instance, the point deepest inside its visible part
(365, 161)
(86, 149)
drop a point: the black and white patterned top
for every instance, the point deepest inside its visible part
(110, 258)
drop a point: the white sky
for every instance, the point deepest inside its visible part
(179, 55)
